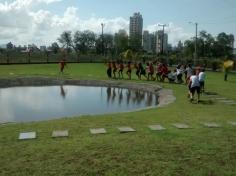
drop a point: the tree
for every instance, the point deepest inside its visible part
(55, 48)
(128, 54)
(189, 48)
(66, 40)
(84, 41)
(135, 43)
(105, 43)
(10, 46)
(224, 42)
(121, 42)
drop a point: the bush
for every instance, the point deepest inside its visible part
(216, 64)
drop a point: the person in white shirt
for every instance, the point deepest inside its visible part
(172, 76)
(189, 72)
(202, 77)
(179, 72)
(194, 85)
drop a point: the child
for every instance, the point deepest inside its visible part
(114, 69)
(129, 70)
(179, 74)
(137, 69)
(150, 71)
(202, 77)
(164, 72)
(194, 85)
(189, 72)
(121, 68)
(172, 76)
(109, 69)
(62, 65)
(158, 71)
(142, 71)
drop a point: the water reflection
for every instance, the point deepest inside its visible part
(137, 97)
(108, 94)
(63, 92)
(120, 93)
(21, 104)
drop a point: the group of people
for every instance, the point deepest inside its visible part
(149, 72)
(194, 78)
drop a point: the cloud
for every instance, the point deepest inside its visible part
(20, 24)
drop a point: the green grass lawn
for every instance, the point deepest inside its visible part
(198, 151)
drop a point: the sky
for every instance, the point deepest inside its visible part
(41, 22)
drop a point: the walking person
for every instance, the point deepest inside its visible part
(62, 65)
(114, 69)
(121, 68)
(137, 70)
(109, 69)
(158, 71)
(189, 72)
(202, 76)
(194, 86)
(142, 71)
(129, 70)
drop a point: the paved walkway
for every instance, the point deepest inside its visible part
(125, 129)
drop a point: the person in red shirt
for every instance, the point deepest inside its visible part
(129, 70)
(114, 69)
(150, 71)
(109, 69)
(164, 72)
(159, 71)
(121, 68)
(62, 65)
(137, 69)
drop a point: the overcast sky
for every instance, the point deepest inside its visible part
(42, 21)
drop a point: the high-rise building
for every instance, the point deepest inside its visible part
(136, 31)
(161, 42)
(146, 41)
(153, 42)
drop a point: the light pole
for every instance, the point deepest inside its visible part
(163, 34)
(195, 52)
(102, 24)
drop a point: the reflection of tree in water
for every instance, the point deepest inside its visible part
(113, 95)
(120, 96)
(108, 94)
(63, 93)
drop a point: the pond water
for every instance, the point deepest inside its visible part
(23, 104)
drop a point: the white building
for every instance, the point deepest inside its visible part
(147, 41)
(161, 42)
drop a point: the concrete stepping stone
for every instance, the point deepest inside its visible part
(126, 129)
(227, 101)
(220, 98)
(98, 131)
(181, 126)
(211, 125)
(64, 133)
(156, 127)
(27, 135)
(231, 103)
(232, 123)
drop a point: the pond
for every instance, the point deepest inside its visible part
(24, 104)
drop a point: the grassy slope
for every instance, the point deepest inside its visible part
(198, 151)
